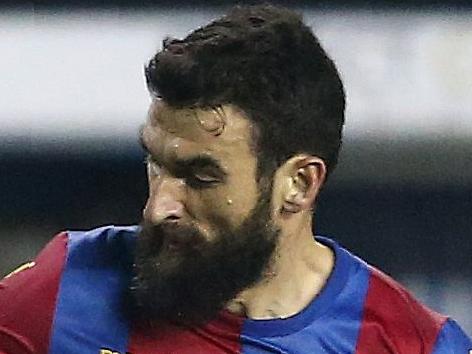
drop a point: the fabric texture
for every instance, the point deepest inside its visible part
(70, 302)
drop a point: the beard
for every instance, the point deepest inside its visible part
(182, 277)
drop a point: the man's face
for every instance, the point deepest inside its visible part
(201, 166)
(207, 231)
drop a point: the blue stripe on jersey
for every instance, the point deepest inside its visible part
(330, 323)
(87, 312)
(452, 340)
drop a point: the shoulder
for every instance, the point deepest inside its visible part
(395, 320)
(27, 300)
(28, 296)
(101, 246)
(452, 339)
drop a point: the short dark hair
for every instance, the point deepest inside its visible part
(267, 62)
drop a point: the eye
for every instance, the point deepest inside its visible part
(202, 180)
(205, 177)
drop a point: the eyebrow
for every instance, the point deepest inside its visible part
(189, 163)
(199, 162)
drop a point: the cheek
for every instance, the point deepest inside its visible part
(232, 203)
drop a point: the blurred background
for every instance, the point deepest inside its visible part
(72, 96)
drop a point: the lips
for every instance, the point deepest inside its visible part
(178, 237)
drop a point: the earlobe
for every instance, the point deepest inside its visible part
(294, 196)
(307, 177)
(292, 203)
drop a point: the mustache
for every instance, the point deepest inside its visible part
(191, 283)
(170, 233)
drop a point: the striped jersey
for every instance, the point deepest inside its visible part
(69, 301)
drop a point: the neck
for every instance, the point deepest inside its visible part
(298, 272)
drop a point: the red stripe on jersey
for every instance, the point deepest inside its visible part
(28, 300)
(219, 336)
(395, 322)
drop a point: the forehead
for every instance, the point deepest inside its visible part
(216, 131)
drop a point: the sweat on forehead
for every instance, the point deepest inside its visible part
(195, 121)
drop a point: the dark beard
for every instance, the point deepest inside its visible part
(194, 282)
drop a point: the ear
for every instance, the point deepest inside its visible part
(305, 176)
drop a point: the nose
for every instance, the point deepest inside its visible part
(164, 202)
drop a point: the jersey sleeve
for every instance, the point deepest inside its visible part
(394, 321)
(27, 301)
(452, 340)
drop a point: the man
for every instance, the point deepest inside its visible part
(243, 130)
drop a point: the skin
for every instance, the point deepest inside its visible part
(203, 194)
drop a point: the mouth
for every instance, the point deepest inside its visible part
(175, 238)
(181, 242)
